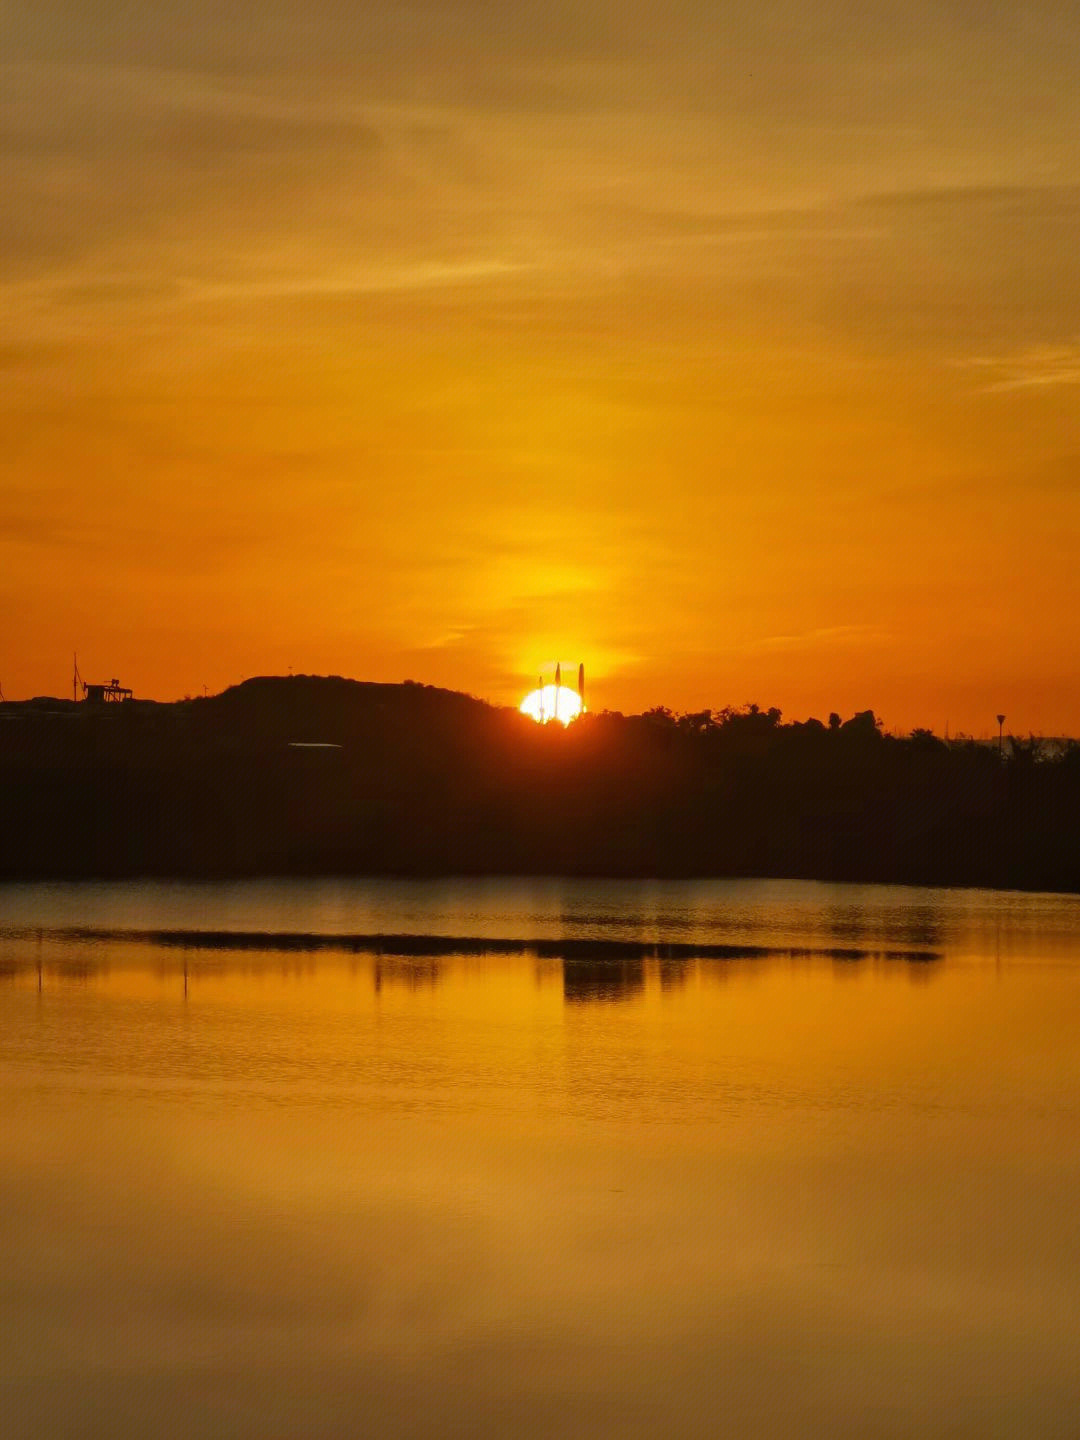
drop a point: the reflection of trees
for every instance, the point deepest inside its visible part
(672, 973)
(77, 972)
(410, 974)
(915, 925)
(588, 980)
(918, 926)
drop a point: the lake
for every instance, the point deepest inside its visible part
(538, 1158)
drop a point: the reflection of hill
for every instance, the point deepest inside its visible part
(424, 781)
(585, 980)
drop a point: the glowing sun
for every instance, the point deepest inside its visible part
(552, 702)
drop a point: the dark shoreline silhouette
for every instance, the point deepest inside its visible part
(571, 948)
(312, 775)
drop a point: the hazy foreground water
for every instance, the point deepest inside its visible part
(328, 1184)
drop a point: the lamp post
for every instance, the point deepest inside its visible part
(1001, 737)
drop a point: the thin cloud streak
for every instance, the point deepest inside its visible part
(1040, 366)
(827, 637)
(385, 280)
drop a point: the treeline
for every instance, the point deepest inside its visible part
(310, 775)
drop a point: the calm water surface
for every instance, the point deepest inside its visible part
(268, 1169)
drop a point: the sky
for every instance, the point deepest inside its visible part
(733, 350)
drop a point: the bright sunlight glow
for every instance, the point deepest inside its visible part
(552, 703)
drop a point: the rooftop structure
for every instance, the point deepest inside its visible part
(111, 694)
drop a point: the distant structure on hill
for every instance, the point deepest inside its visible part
(110, 694)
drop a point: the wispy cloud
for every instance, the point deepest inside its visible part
(378, 279)
(826, 638)
(82, 289)
(1039, 365)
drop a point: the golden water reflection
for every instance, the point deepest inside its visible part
(347, 1194)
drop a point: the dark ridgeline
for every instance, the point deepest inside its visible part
(413, 780)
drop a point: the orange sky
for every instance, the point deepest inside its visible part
(734, 350)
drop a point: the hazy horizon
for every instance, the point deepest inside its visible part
(716, 709)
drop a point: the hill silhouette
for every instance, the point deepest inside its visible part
(307, 774)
